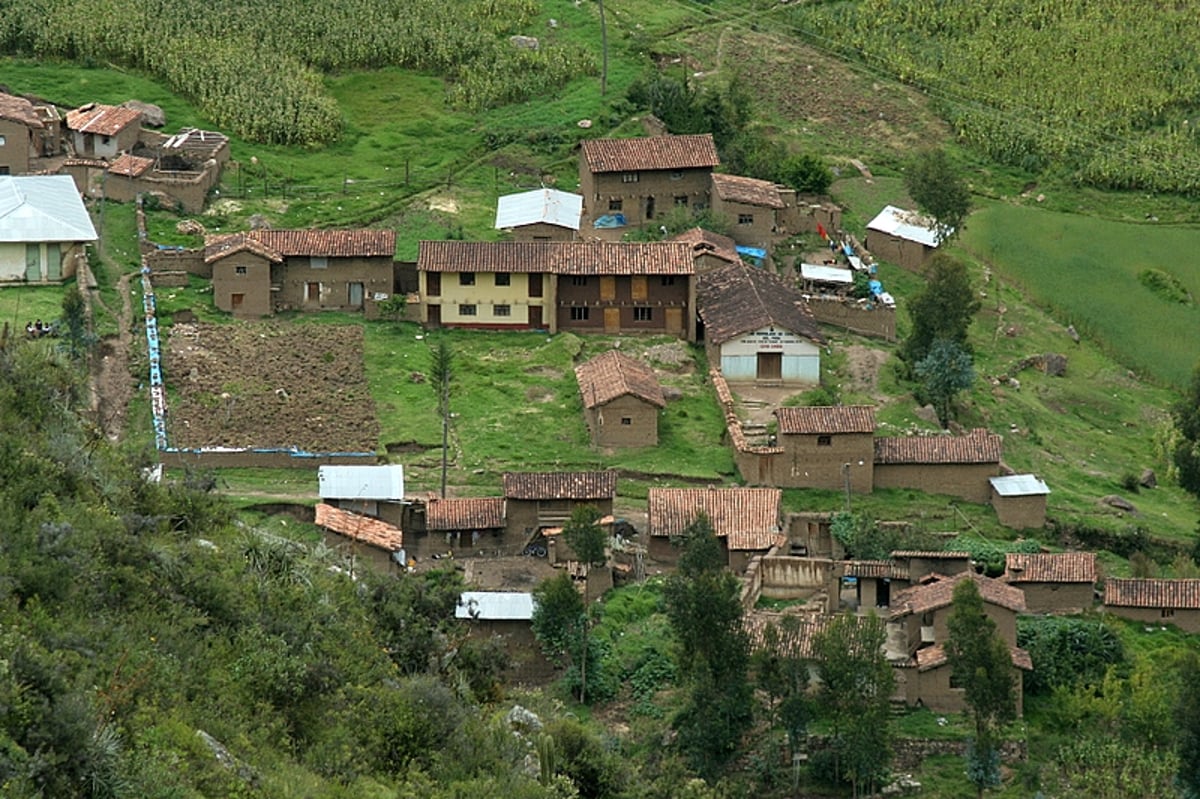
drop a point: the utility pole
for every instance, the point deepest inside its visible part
(846, 480)
(603, 51)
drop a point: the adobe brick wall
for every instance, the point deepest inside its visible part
(967, 481)
(879, 322)
(604, 423)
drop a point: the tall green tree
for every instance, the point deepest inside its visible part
(939, 191)
(943, 309)
(712, 651)
(980, 662)
(1187, 721)
(558, 618)
(585, 536)
(1187, 449)
(945, 371)
(855, 695)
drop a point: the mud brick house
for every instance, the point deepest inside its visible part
(103, 131)
(903, 237)
(956, 465)
(581, 286)
(756, 327)
(507, 616)
(877, 581)
(263, 271)
(469, 524)
(918, 622)
(826, 447)
(540, 215)
(621, 400)
(183, 167)
(362, 538)
(1149, 601)
(746, 520)
(1019, 500)
(44, 228)
(376, 491)
(632, 182)
(753, 208)
(20, 131)
(1063, 582)
(536, 500)
(709, 250)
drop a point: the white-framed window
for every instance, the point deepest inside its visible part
(643, 314)
(579, 313)
(502, 310)
(629, 177)
(745, 219)
(466, 309)
(615, 205)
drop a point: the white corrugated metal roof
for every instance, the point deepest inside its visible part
(1019, 485)
(826, 274)
(907, 225)
(551, 206)
(362, 482)
(37, 208)
(494, 606)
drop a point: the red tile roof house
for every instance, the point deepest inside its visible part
(877, 581)
(756, 327)
(918, 630)
(753, 208)
(1148, 601)
(621, 400)
(263, 271)
(581, 286)
(943, 464)
(1063, 582)
(19, 128)
(362, 538)
(710, 250)
(536, 500)
(103, 131)
(746, 520)
(828, 447)
(639, 180)
(466, 526)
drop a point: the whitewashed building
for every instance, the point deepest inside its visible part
(43, 228)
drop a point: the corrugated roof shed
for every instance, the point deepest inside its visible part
(494, 606)
(1019, 485)
(42, 208)
(550, 206)
(377, 483)
(907, 225)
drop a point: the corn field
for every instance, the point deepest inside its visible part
(1107, 89)
(255, 67)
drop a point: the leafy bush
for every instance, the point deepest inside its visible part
(1067, 652)
(1165, 285)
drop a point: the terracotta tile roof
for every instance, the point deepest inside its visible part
(613, 374)
(102, 120)
(931, 657)
(748, 541)
(748, 191)
(483, 513)
(979, 446)
(826, 419)
(930, 554)
(730, 510)
(1062, 567)
(560, 485)
(275, 245)
(1145, 593)
(794, 640)
(360, 528)
(939, 593)
(558, 257)
(18, 109)
(741, 298)
(656, 152)
(130, 165)
(705, 242)
(879, 569)
(89, 162)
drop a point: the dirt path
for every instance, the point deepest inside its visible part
(112, 383)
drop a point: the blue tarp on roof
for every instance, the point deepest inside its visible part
(610, 220)
(754, 254)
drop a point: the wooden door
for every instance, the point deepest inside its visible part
(535, 316)
(433, 284)
(235, 301)
(675, 321)
(355, 295)
(33, 263)
(770, 366)
(637, 288)
(53, 261)
(434, 317)
(535, 285)
(612, 320)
